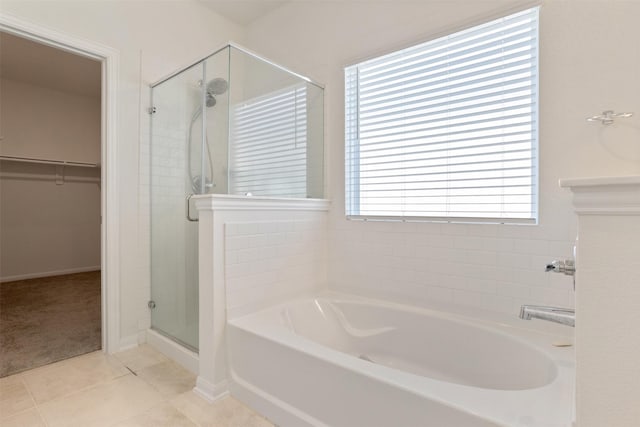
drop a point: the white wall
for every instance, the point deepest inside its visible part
(607, 374)
(154, 39)
(43, 123)
(589, 62)
(48, 228)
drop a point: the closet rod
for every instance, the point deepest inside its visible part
(49, 162)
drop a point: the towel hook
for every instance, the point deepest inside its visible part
(608, 117)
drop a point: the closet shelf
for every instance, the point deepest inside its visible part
(49, 162)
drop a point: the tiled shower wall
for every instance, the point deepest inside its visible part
(491, 267)
(270, 262)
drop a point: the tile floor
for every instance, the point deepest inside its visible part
(137, 388)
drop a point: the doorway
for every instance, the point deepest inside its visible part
(108, 60)
(50, 120)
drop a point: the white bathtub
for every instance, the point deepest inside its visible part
(345, 361)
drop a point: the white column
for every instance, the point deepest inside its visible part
(607, 301)
(212, 376)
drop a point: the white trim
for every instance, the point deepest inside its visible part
(110, 263)
(185, 357)
(231, 202)
(209, 391)
(128, 342)
(599, 181)
(605, 195)
(49, 273)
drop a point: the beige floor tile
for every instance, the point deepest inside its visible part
(168, 378)
(227, 412)
(71, 375)
(103, 405)
(30, 418)
(140, 357)
(160, 415)
(14, 396)
(259, 421)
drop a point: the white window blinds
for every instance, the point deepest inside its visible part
(268, 151)
(448, 128)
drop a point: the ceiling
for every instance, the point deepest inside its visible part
(242, 12)
(30, 62)
(40, 65)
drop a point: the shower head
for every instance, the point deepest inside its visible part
(217, 86)
(211, 100)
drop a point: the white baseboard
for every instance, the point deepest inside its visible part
(127, 343)
(185, 357)
(48, 273)
(209, 391)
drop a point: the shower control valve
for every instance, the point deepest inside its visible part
(567, 267)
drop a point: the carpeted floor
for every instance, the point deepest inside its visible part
(48, 319)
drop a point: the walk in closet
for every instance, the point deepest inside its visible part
(50, 133)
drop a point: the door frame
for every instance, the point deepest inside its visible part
(109, 233)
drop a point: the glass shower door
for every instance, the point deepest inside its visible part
(189, 153)
(176, 173)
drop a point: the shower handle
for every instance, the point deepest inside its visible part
(188, 209)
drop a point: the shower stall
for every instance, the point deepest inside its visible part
(232, 123)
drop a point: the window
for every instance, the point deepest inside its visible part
(269, 145)
(447, 129)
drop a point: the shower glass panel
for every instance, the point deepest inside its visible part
(276, 130)
(182, 164)
(231, 124)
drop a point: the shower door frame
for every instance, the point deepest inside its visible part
(109, 232)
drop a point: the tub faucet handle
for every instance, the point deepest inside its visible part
(566, 266)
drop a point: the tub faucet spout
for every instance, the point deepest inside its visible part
(565, 316)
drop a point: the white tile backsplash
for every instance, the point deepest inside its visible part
(270, 262)
(493, 267)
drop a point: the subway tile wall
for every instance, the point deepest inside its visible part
(491, 267)
(269, 262)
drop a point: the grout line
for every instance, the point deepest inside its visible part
(33, 399)
(84, 389)
(42, 418)
(169, 401)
